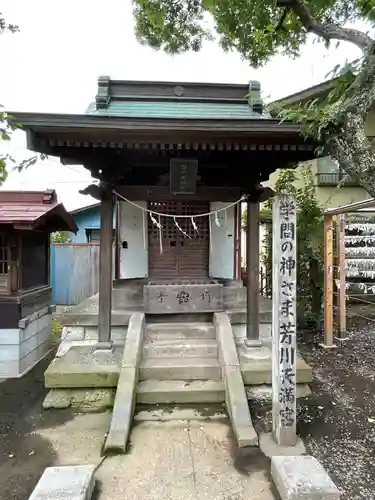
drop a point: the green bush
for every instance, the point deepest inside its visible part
(310, 243)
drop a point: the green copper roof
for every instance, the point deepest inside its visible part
(183, 101)
(176, 109)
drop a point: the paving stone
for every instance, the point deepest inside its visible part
(65, 483)
(83, 367)
(83, 400)
(302, 478)
(260, 372)
(263, 392)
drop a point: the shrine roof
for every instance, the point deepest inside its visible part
(183, 110)
(126, 114)
(35, 210)
(177, 100)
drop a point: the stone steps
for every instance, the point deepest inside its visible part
(181, 318)
(180, 365)
(180, 369)
(197, 330)
(180, 391)
(180, 348)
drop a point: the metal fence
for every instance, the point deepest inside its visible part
(74, 272)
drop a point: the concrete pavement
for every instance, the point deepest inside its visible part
(167, 460)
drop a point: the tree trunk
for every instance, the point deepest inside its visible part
(353, 150)
(346, 139)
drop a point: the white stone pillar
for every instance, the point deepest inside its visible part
(284, 319)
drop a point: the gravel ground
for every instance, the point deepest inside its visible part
(24, 454)
(337, 423)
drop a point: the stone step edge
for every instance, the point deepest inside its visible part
(167, 392)
(180, 348)
(155, 385)
(176, 324)
(171, 335)
(183, 342)
(177, 411)
(178, 362)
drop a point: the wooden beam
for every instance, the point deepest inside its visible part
(105, 273)
(341, 302)
(157, 193)
(252, 267)
(328, 281)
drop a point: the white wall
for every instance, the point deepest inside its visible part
(133, 230)
(22, 348)
(222, 242)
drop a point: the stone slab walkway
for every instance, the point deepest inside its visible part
(192, 460)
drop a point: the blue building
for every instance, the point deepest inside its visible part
(88, 222)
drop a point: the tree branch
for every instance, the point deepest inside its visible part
(327, 31)
(280, 22)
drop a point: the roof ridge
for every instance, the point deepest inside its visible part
(110, 91)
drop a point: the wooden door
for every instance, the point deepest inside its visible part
(4, 265)
(193, 255)
(173, 254)
(162, 244)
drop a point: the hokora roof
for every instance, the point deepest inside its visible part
(35, 210)
(127, 114)
(173, 100)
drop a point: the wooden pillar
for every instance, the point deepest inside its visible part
(341, 296)
(284, 320)
(105, 273)
(117, 239)
(328, 281)
(252, 268)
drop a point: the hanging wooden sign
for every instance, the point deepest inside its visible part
(183, 175)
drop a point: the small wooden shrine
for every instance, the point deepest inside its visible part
(175, 161)
(178, 159)
(26, 220)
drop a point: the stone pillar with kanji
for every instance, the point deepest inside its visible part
(284, 320)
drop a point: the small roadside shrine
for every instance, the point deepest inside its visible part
(26, 220)
(176, 161)
(178, 158)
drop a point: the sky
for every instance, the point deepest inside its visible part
(53, 63)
